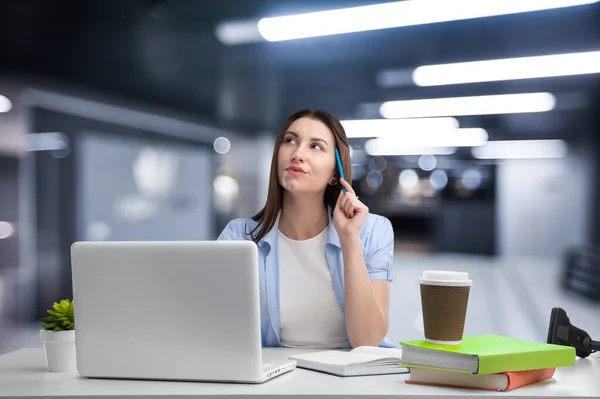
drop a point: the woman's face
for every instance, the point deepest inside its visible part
(306, 158)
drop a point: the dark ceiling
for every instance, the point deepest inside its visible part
(164, 52)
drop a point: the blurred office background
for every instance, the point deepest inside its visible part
(155, 120)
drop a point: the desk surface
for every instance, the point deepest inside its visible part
(23, 373)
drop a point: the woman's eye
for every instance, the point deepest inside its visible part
(290, 140)
(318, 146)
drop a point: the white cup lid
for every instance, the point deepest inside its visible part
(443, 277)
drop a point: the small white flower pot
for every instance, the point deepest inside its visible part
(59, 347)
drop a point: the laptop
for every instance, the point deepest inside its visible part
(185, 311)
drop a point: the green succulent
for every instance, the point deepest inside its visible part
(62, 317)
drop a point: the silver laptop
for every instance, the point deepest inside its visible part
(170, 311)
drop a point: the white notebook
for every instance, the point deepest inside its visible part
(364, 360)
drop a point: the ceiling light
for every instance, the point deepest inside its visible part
(5, 104)
(408, 179)
(384, 127)
(375, 147)
(47, 141)
(427, 162)
(470, 137)
(6, 230)
(237, 32)
(508, 69)
(222, 145)
(521, 149)
(438, 179)
(394, 15)
(476, 105)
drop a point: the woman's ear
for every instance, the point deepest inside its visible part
(333, 181)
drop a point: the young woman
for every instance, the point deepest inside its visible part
(324, 260)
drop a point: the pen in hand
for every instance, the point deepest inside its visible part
(340, 169)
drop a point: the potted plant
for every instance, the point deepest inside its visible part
(58, 336)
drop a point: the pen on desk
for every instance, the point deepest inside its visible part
(340, 169)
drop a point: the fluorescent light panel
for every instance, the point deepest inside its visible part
(508, 69)
(5, 104)
(475, 105)
(521, 149)
(237, 32)
(469, 137)
(383, 127)
(426, 142)
(396, 14)
(374, 149)
(47, 141)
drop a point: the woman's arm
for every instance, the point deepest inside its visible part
(367, 301)
(366, 276)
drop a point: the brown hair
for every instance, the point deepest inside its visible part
(267, 216)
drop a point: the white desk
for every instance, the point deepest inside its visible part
(23, 374)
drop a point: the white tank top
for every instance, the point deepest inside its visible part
(310, 314)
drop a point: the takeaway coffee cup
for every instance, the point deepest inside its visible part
(444, 298)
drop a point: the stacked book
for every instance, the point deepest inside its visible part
(491, 362)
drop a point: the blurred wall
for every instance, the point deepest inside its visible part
(265, 146)
(163, 192)
(47, 180)
(242, 186)
(115, 182)
(12, 123)
(9, 249)
(13, 127)
(544, 205)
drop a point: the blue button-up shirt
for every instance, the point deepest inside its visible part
(376, 235)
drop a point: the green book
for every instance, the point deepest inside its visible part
(486, 354)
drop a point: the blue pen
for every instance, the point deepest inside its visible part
(339, 164)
